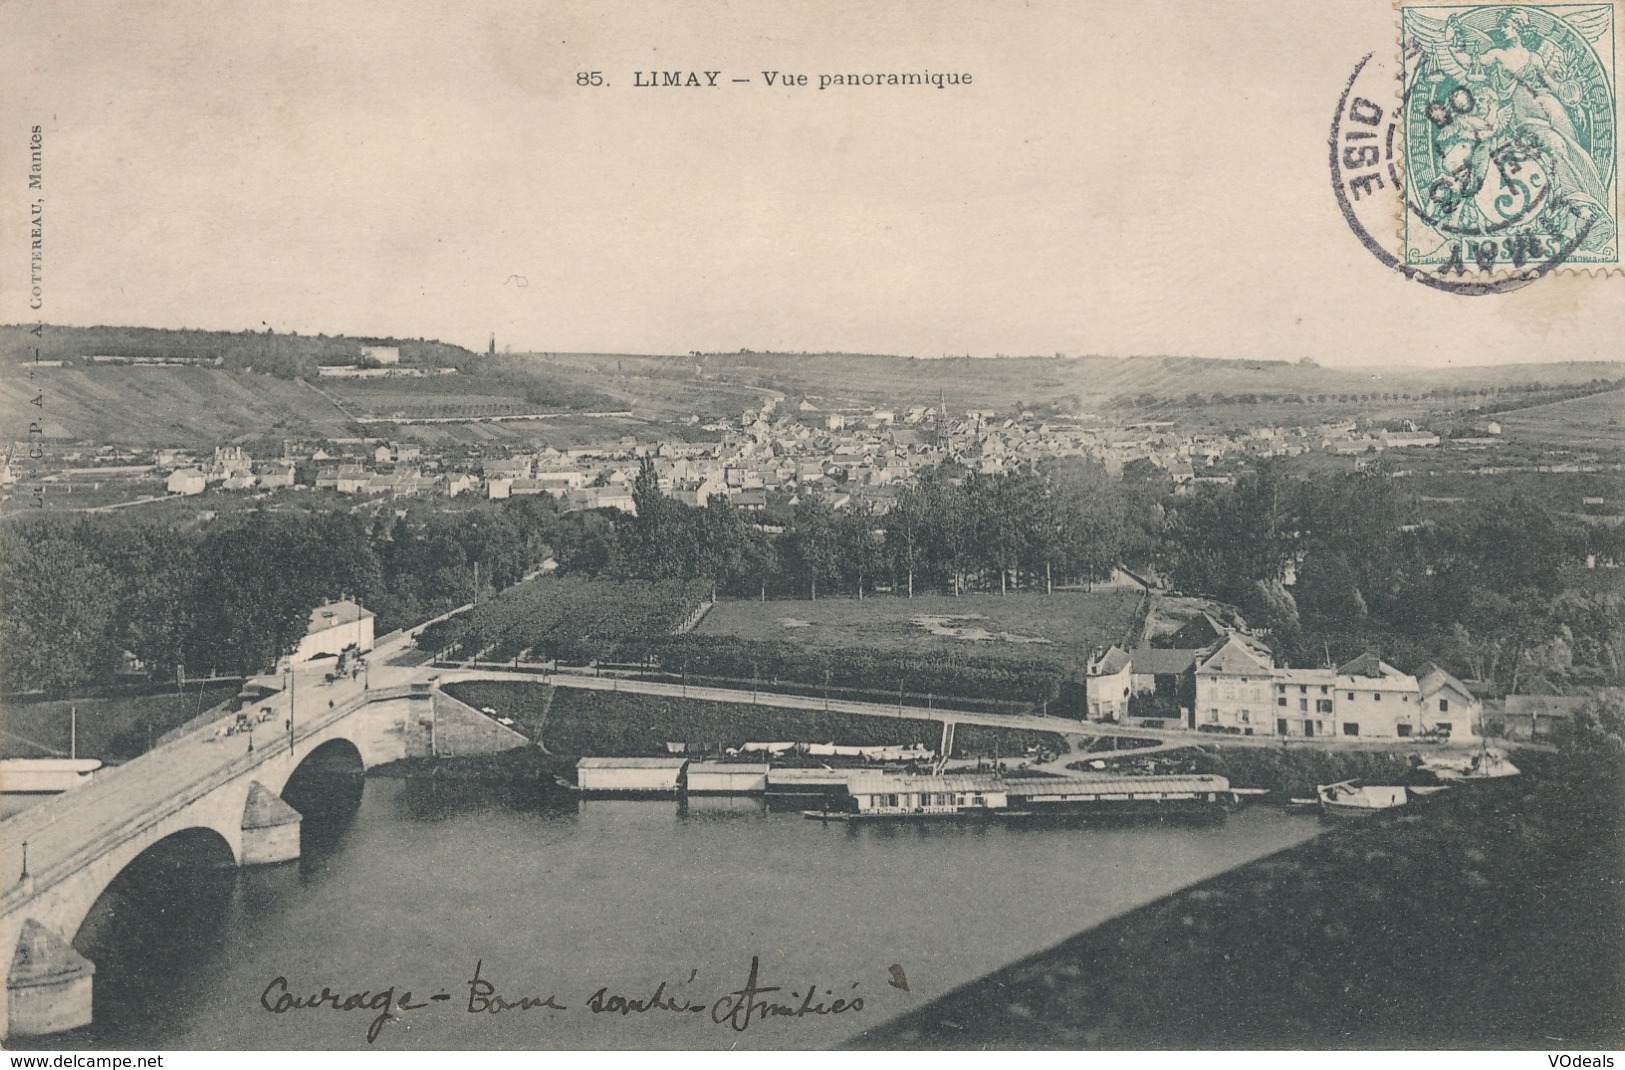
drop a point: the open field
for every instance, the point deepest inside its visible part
(564, 617)
(1597, 419)
(67, 495)
(1561, 492)
(1064, 626)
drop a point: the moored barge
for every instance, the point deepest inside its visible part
(885, 797)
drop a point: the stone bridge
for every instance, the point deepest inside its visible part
(58, 857)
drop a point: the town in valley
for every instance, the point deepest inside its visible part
(1042, 594)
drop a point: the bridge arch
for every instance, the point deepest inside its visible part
(326, 784)
(190, 849)
(144, 931)
(233, 813)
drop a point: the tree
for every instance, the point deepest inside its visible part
(588, 544)
(860, 546)
(665, 534)
(1272, 606)
(814, 545)
(60, 608)
(905, 527)
(1328, 592)
(949, 529)
(1001, 509)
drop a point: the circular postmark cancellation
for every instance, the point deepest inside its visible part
(1494, 161)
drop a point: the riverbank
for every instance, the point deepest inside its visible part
(1298, 772)
(1493, 917)
(573, 721)
(521, 764)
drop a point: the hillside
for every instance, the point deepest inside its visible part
(1577, 422)
(133, 406)
(217, 389)
(218, 386)
(1162, 387)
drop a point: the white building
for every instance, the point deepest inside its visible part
(1447, 704)
(335, 627)
(381, 354)
(1234, 689)
(1109, 685)
(1375, 699)
(1239, 690)
(185, 481)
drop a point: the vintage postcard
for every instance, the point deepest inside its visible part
(788, 526)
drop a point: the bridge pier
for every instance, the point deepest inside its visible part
(83, 847)
(270, 828)
(49, 987)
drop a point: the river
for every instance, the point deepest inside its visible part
(412, 884)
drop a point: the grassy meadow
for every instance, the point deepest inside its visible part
(1064, 626)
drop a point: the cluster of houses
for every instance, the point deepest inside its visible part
(230, 469)
(849, 455)
(1224, 680)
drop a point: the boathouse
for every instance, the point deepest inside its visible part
(727, 778)
(630, 776)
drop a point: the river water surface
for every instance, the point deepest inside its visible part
(419, 882)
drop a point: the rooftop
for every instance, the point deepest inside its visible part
(866, 783)
(334, 614)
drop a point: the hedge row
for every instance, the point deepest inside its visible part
(565, 617)
(1025, 680)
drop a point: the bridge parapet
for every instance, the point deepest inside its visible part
(82, 840)
(133, 824)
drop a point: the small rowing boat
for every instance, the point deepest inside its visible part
(1353, 799)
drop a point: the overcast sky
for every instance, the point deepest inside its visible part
(1118, 178)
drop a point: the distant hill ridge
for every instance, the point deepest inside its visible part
(211, 398)
(1003, 383)
(286, 355)
(106, 402)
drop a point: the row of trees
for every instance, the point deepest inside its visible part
(1039, 526)
(1485, 590)
(1482, 591)
(234, 596)
(285, 355)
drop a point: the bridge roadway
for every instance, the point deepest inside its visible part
(79, 841)
(59, 828)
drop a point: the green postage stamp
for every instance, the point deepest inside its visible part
(1511, 135)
